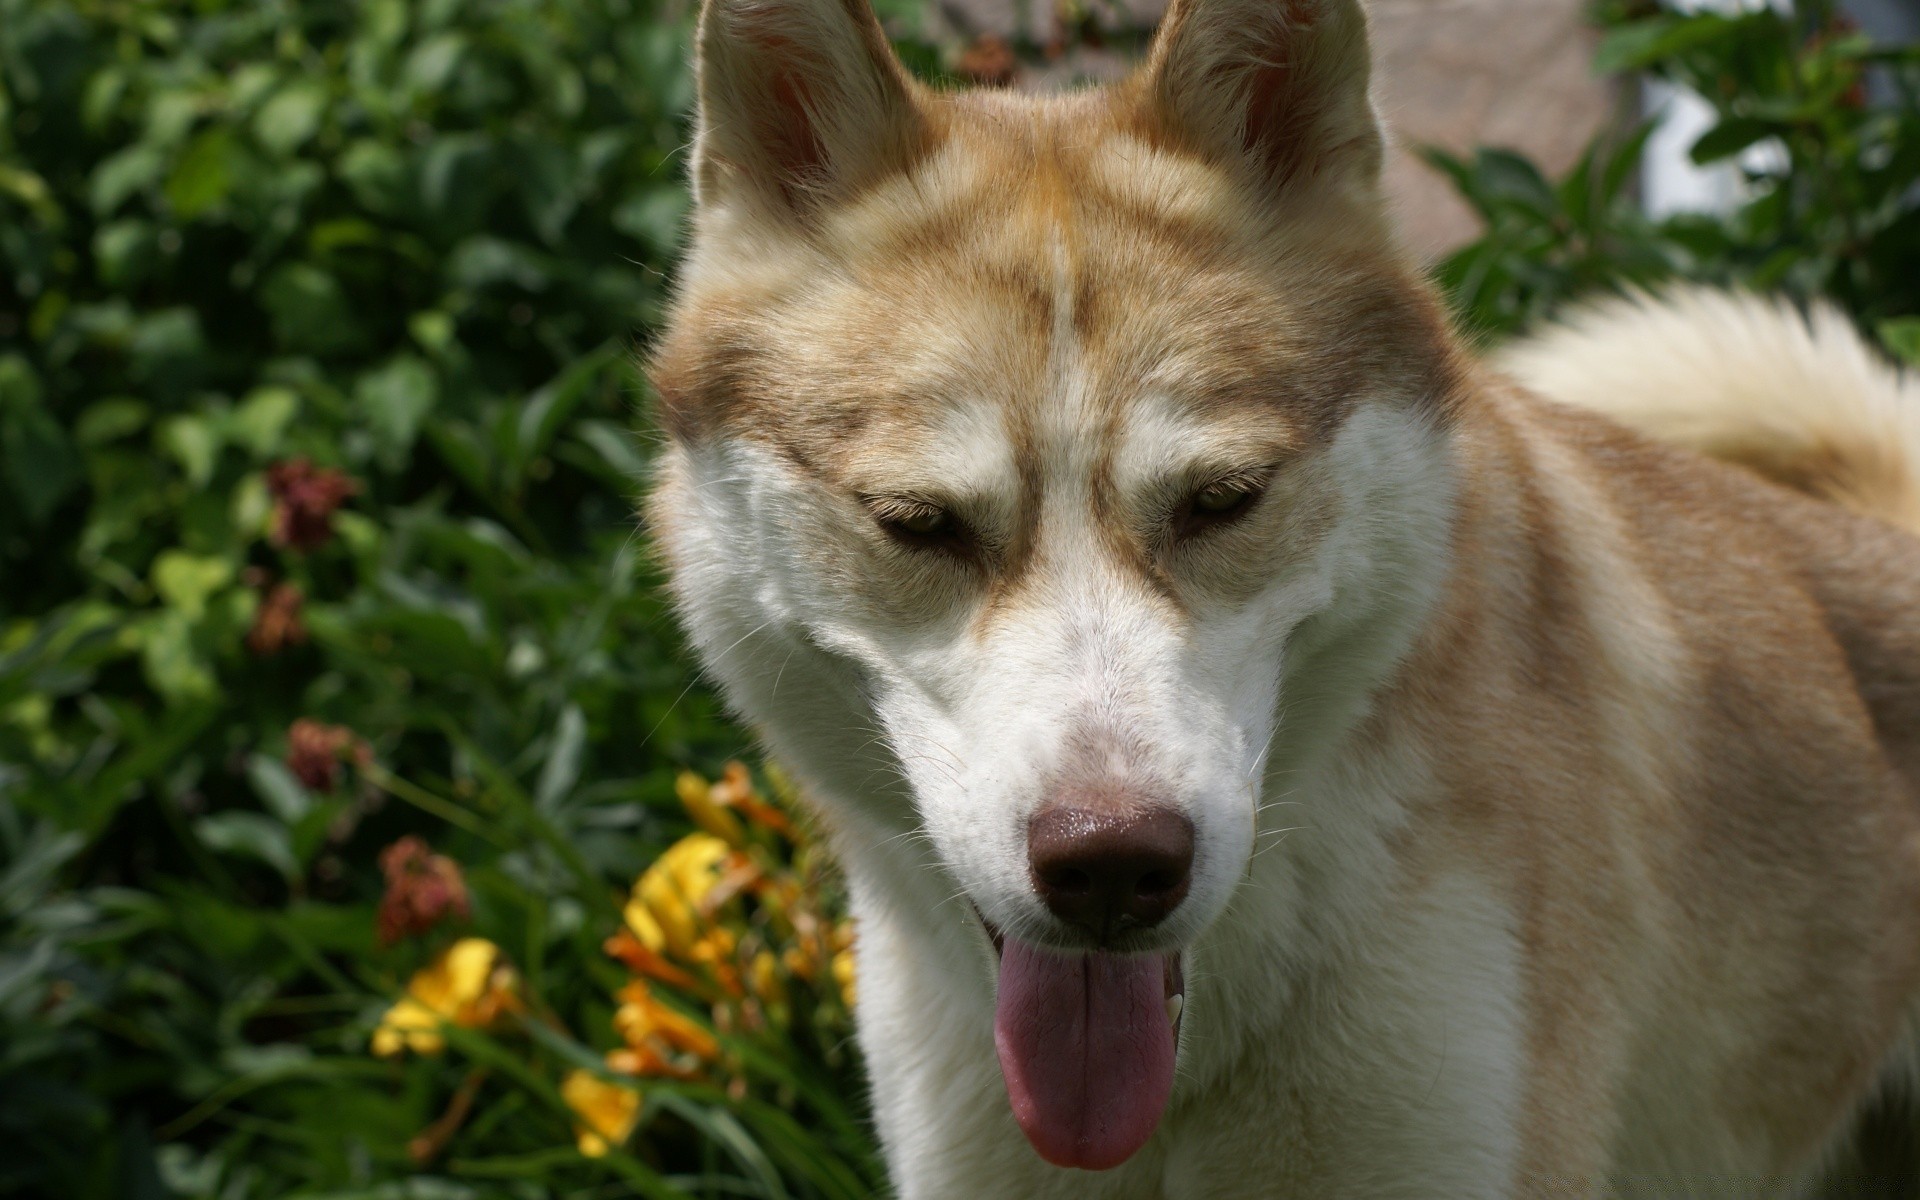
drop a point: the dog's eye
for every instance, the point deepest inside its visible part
(930, 522)
(1220, 498)
(1216, 504)
(918, 524)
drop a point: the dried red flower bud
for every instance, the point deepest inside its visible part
(989, 62)
(423, 889)
(316, 750)
(277, 623)
(304, 500)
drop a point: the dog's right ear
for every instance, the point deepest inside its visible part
(800, 101)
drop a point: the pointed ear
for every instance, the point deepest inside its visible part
(1280, 85)
(799, 101)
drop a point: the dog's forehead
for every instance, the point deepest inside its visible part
(1040, 277)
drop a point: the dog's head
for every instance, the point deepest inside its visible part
(1024, 456)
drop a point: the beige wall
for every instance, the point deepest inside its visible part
(1461, 73)
(1457, 73)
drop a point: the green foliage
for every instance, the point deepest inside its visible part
(409, 242)
(1825, 127)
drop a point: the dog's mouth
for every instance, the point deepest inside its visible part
(1086, 1043)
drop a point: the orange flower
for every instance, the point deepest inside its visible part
(735, 790)
(661, 1040)
(607, 1111)
(469, 985)
(642, 961)
(713, 805)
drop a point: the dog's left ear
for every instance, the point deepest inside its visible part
(1280, 86)
(800, 101)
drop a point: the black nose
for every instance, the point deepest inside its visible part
(1109, 869)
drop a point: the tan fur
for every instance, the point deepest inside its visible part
(1669, 711)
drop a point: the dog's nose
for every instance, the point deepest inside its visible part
(1108, 869)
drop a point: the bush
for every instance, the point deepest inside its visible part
(317, 400)
(1834, 192)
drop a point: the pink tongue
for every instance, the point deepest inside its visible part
(1086, 1049)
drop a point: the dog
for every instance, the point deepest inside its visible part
(1273, 751)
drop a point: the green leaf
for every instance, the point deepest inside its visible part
(548, 408)
(376, 174)
(124, 251)
(564, 753)
(120, 175)
(454, 179)
(109, 420)
(549, 188)
(167, 347)
(173, 665)
(393, 399)
(655, 215)
(278, 789)
(286, 122)
(1901, 337)
(186, 581)
(617, 445)
(433, 62)
(41, 464)
(1637, 46)
(484, 261)
(260, 422)
(309, 310)
(195, 443)
(204, 175)
(250, 835)
(434, 330)
(1623, 159)
(42, 468)
(29, 189)
(1730, 137)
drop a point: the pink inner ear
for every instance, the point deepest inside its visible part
(1284, 98)
(790, 136)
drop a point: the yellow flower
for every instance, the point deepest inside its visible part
(763, 974)
(698, 797)
(469, 985)
(663, 910)
(843, 974)
(607, 1111)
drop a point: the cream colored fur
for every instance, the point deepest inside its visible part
(1745, 378)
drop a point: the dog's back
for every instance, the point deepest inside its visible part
(1688, 701)
(1798, 399)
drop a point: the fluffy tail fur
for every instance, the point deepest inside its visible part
(1802, 400)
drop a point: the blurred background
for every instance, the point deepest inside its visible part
(364, 829)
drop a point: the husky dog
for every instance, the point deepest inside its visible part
(1272, 752)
